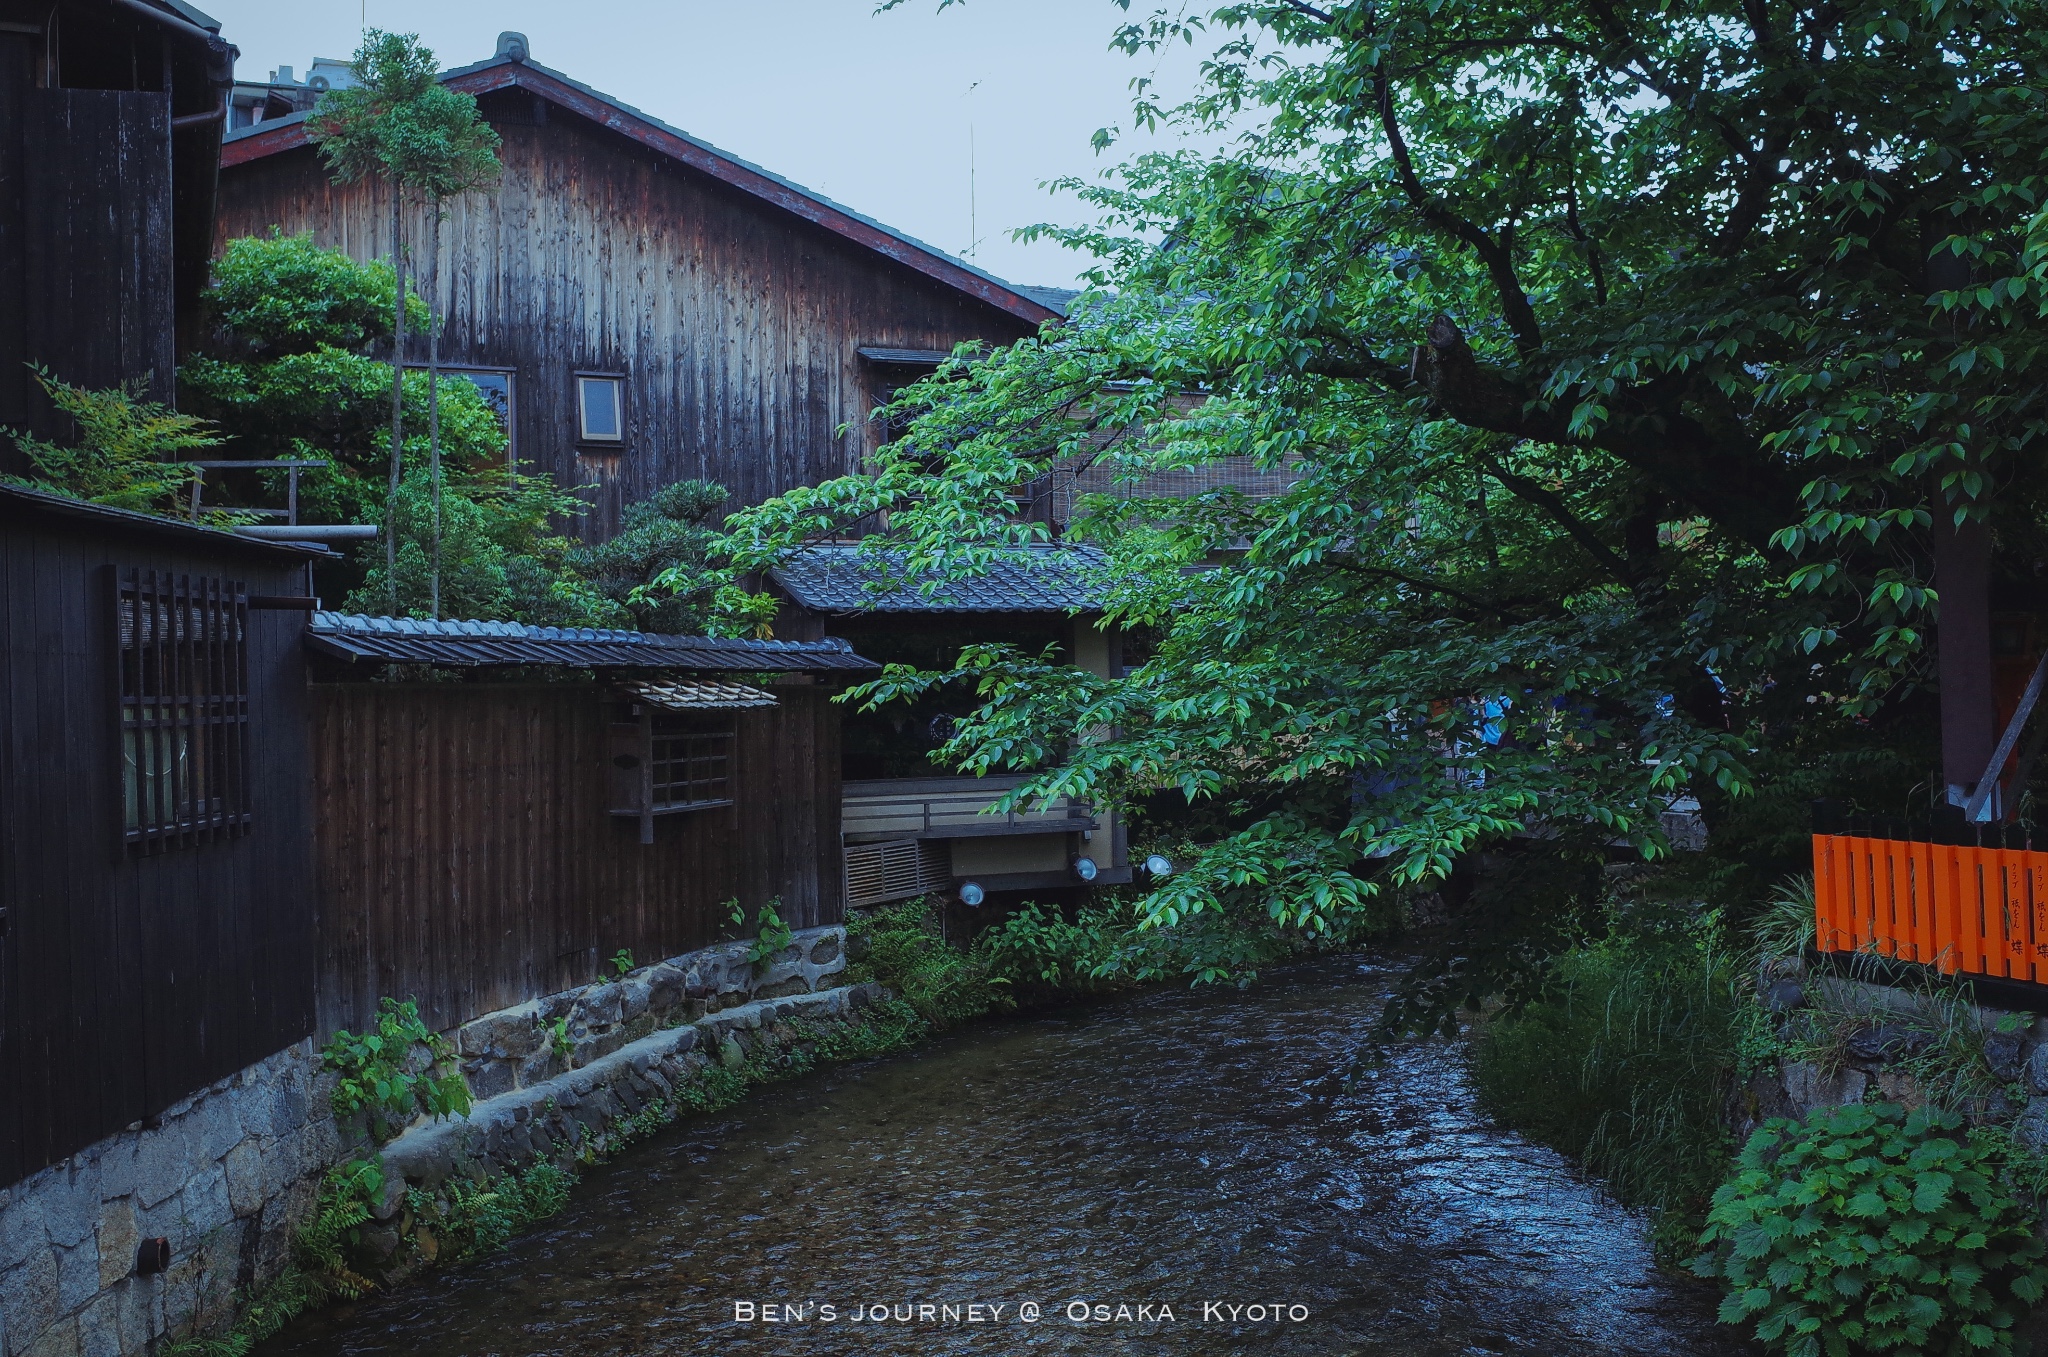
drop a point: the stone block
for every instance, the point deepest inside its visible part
(731, 1054)
(782, 988)
(826, 950)
(640, 1026)
(21, 1231)
(31, 1294)
(243, 1168)
(635, 993)
(59, 1340)
(139, 1313)
(1784, 995)
(1806, 1088)
(506, 1035)
(666, 987)
(99, 1327)
(206, 1201)
(213, 1129)
(119, 1236)
(598, 1006)
(539, 1066)
(163, 1161)
(78, 1276)
(488, 1078)
(2037, 1069)
(2005, 1054)
(598, 1046)
(1897, 1086)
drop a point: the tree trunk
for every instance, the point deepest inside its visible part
(1962, 639)
(434, 394)
(397, 392)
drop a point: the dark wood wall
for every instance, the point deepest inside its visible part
(128, 981)
(737, 324)
(106, 212)
(467, 857)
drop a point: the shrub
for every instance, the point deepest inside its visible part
(1869, 1230)
(380, 1071)
(1622, 1062)
(900, 947)
(130, 452)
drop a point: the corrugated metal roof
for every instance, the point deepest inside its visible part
(699, 695)
(850, 579)
(475, 644)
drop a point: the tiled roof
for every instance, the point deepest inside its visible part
(404, 640)
(699, 695)
(850, 579)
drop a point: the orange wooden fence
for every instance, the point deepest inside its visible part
(1978, 910)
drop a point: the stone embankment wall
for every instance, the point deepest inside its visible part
(1877, 1031)
(151, 1232)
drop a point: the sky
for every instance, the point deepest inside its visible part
(886, 113)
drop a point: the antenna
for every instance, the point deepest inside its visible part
(973, 224)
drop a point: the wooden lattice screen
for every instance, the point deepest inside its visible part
(184, 708)
(1979, 907)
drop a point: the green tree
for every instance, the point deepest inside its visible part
(288, 373)
(1634, 363)
(400, 124)
(667, 536)
(130, 452)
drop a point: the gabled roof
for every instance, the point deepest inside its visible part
(850, 579)
(472, 645)
(503, 72)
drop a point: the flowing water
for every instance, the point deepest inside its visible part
(1182, 1151)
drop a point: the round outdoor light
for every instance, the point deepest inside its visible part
(971, 893)
(1084, 868)
(1158, 866)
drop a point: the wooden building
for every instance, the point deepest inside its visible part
(647, 307)
(156, 903)
(484, 842)
(906, 827)
(111, 113)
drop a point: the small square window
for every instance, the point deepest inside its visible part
(600, 402)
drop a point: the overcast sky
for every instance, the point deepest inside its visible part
(873, 110)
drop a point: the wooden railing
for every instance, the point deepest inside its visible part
(948, 808)
(1964, 898)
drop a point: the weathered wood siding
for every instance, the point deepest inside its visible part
(128, 981)
(85, 230)
(467, 857)
(737, 325)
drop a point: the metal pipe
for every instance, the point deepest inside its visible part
(310, 532)
(185, 120)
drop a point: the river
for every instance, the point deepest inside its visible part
(1183, 1151)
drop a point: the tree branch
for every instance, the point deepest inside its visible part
(1499, 261)
(1553, 505)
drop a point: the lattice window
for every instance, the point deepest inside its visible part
(184, 708)
(690, 768)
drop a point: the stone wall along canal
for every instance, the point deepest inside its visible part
(1178, 1150)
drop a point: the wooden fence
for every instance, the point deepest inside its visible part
(1966, 899)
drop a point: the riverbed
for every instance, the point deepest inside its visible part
(1128, 1170)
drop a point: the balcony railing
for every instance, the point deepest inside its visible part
(1968, 899)
(949, 808)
